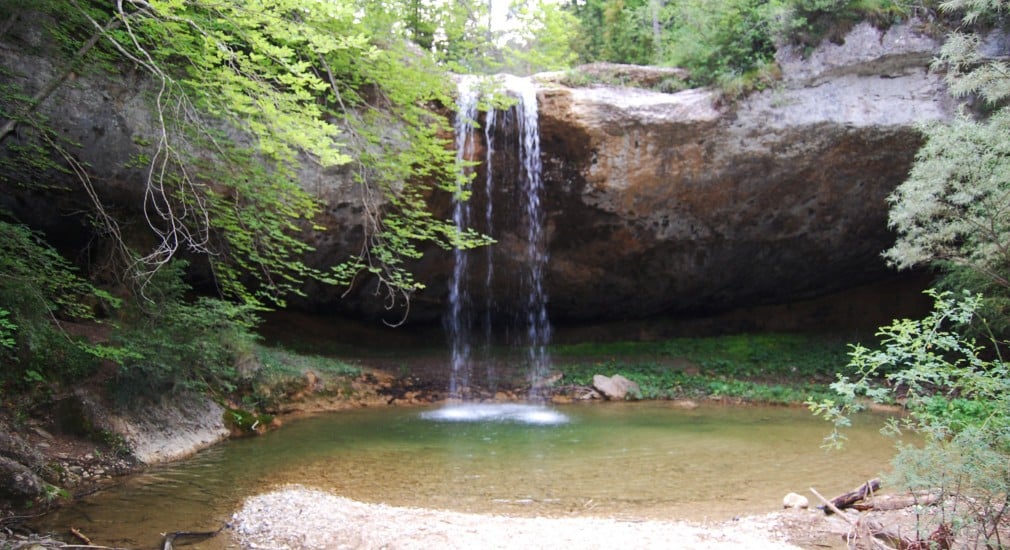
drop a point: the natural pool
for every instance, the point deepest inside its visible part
(630, 460)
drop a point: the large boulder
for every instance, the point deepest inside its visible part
(18, 482)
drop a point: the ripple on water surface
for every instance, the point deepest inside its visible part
(497, 412)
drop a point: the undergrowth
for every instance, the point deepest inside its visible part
(281, 362)
(771, 368)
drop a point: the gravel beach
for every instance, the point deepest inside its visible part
(297, 517)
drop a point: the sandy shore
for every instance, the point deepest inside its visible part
(301, 518)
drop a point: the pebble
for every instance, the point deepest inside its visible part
(299, 517)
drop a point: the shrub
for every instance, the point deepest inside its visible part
(169, 343)
(40, 290)
(957, 393)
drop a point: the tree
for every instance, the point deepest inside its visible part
(541, 36)
(954, 209)
(616, 31)
(299, 82)
(957, 393)
(717, 41)
(948, 368)
(457, 32)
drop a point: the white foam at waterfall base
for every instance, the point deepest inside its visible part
(497, 412)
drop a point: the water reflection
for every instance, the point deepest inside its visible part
(645, 460)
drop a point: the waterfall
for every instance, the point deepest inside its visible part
(459, 321)
(538, 328)
(526, 185)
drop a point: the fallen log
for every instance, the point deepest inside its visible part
(846, 500)
(895, 502)
(858, 529)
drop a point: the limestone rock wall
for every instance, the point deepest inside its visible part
(656, 203)
(676, 203)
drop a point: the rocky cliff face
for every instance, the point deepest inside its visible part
(656, 203)
(675, 203)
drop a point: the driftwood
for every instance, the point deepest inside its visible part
(80, 536)
(876, 534)
(941, 539)
(846, 500)
(896, 502)
(35, 542)
(857, 527)
(169, 538)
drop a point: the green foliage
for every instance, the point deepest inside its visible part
(957, 393)
(276, 374)
(728, 43)
(808, 22)
(8, 330)
(772, 368)
(995, 307)
(618, 32)
(246, 95)
(39, 289)
(34, 277)
(952, 213)
(953, 205)
(719, 41)
(464, 37)
(952, 210)
(752, 355)
(546, 39)
(168, 343)
(976, 11)
(243, 421)
(659, 380)
(278, 361)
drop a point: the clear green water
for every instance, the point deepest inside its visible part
(646, 460)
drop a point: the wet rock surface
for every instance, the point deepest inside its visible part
(676, 203)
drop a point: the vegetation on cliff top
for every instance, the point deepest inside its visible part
(728, 43)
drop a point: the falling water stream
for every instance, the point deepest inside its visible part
(459, 320)
(463, 316)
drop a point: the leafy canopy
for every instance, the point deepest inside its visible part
(247, 96)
